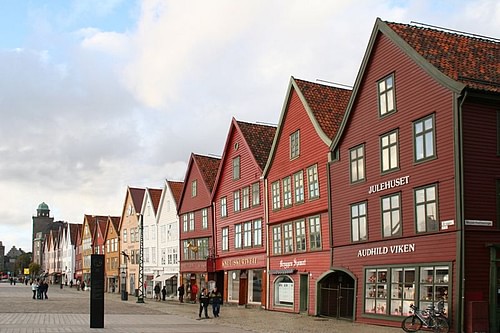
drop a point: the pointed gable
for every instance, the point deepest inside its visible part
(176, 189)
(137, 195)
(259, 139)
(467, 59)
(208, 167)
(155, 195)
(73, 229)
(328, 104)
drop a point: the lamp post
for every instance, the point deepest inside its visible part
(140, 298)
(123, 275)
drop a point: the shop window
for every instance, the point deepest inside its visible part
(376, 291)
(283, 291)
(233, 285)
(391, 290)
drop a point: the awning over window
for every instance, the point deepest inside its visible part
(164, 276)
(282, 271)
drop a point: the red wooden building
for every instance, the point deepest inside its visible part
(415, 179)
(297, 198)
(239, 214)
(196, 241)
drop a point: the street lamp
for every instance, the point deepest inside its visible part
(123, 275)
(140, 298)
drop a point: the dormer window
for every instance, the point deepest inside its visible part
(386, 97)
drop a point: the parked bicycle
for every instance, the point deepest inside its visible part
(431, 317)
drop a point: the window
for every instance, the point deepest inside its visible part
(298, 179)
(225, 239)
(202, 248)
(257, 232)
(288, 238)
(223, 207)
(255, 194)
(204, 218)
(146, 232)
(185, 223)
(247, 234)
(237, 236)
(359, 222)
(389, 149)
(153, 255)
(426, 209)
(391, 290)
(295, 144)
(163, 233)
(245, 197)
(193, 188)
(275, 187)
(276, 240)
(386, 97)
(236, 168)
(300, 236)
(424, 138)
(146, 255)
(314, 233)
(284, 291)
(191, 221)
(163, 259)
(313, 182)
(391, 215)
(357, 158)
(236, 197)
(287, 191)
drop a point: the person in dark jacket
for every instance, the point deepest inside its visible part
(204, 300)
(216, 300)
(164, 292)
(181, 293)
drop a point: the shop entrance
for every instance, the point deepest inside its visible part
(337, 296)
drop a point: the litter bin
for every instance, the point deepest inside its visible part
(124, 295)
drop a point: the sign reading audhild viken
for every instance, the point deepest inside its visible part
(382, 250)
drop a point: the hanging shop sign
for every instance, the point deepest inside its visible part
(389, 184)
(382, 250)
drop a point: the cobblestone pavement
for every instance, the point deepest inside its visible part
(68, 310)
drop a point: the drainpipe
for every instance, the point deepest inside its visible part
(266, 223)
(460, 211)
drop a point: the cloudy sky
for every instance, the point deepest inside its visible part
(98, 95)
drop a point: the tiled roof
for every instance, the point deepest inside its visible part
(208, 168)
(176, 188)
(74, 231)
(137, 197)
(155, 195)
(260, 140)
(471, 60)
(327, 103)
(116, 222)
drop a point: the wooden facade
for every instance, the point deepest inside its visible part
(239, 214)
(196, 241)
(112, 254)
(399, 190)
(297, 195)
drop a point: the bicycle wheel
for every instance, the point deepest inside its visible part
(411, 324)
(441, 325)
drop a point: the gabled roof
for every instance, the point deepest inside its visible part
(176, 188)
(259, 139)
(73, 229)
(325, 106)
(471, 60)
(208, 167)
(155, 195)
(137, 195)
(456, 61)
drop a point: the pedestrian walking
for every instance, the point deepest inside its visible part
(164, 292)
(34, 288)
(78, 285)
(204, 300)
(194, 293)
(45, 289)
(71, 283)
(180, 290)
(216, 300)
(83, 285)
(157, 292)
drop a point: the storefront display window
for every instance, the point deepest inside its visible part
(283, 291)
(233, 285)
(424, 285)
